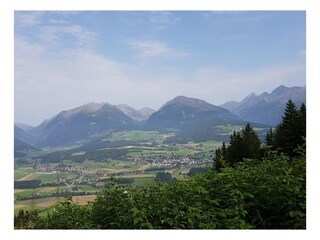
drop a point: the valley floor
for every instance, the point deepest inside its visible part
(84, 179)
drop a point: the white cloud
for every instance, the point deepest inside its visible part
(161, 19)
(156, 20)
(155, 49)
(57, 21)
(81, 36)
(27, 19)
(47, 83)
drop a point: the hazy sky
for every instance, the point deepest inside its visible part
(66, 59)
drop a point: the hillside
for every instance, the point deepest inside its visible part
(194, 119)
(71, 126)
(21, 148)
(184, 112)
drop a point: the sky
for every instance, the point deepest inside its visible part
(64, 59)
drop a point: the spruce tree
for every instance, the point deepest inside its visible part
(235, 149)
(250, 143)
(303, 120)
(270, 138)
(288, 133)
(244, 144)
(218, 160)
(223, 150)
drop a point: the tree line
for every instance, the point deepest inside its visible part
(284, 139)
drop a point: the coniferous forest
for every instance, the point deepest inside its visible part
(252, 184)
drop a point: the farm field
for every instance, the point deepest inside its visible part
(21, 174)
(45, 205)
(144, 156)
(32, 204)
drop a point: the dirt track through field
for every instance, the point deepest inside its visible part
(46, 202)
(144, 167)
(48, 189)
(30, 176)
(19, 190)
(83, 200)
(186, 171)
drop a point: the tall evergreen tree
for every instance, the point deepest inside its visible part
(270, 138)
(244, 144)
(250, 142)
(218, 160)
(223, 149)
(303, 119)
(235, 149)
(288, 134)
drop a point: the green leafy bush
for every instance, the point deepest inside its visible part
(254, 194)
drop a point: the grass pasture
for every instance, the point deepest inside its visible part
(86, 187)
(28, 192)
(147, 175)
(28, 177)
(18, 174)
(48, 178)
(227, 129)
(143, 181)
(139, 135)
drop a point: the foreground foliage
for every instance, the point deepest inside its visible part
(253, 194)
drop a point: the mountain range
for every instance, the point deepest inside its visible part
(266, 108)
(192, 118)
(69, 127)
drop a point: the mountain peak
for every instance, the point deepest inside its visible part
(181, 98)
(279, 90)
(125, 108)
(69, 127)
(88, 108)
(188, 101)
(137, 115)
(249, 97)
(184, 112)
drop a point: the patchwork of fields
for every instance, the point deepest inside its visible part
(82, 175)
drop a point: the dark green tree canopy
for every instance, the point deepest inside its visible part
(290, 133)
(244, 144)
(270, 138)
(251, 143)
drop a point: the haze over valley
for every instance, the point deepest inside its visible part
(188, 118)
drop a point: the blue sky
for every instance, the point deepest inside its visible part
(145, 58)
